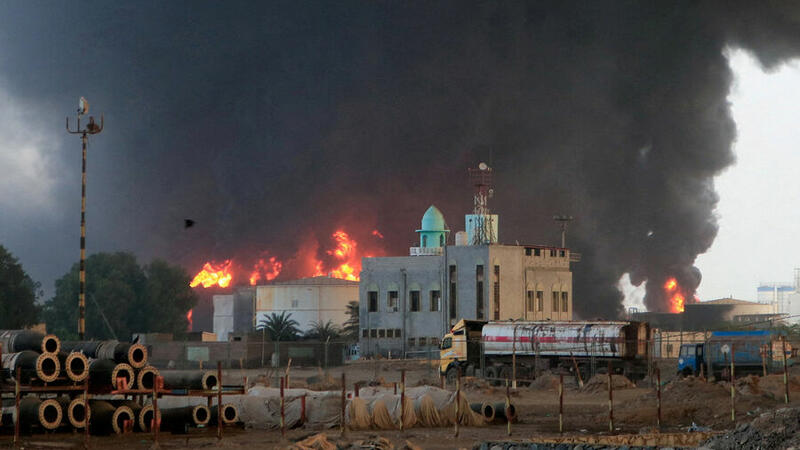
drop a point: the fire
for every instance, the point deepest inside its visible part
(676, 297)
(269, 268)
(189, 318)
(345, 252)
(211, 274)
(377, 234)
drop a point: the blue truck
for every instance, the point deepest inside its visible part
(752, 351)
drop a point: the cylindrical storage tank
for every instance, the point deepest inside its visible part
(14, 341)
(146, 377)
(189, 379)
(74, 365)
(230, 414)
(41, 366)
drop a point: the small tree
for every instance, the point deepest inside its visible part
(18, 293)
(324, 331)
(351, 325)
(280, 327)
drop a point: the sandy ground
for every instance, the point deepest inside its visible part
(585, 410)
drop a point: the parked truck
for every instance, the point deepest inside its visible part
(753, 352)
(498, 350)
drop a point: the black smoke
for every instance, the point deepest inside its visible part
(271, 122)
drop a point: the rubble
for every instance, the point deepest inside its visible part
(773, 429)
(599, 383)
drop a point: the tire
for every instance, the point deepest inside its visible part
(686, 372)
(491, 372)
(451, 375)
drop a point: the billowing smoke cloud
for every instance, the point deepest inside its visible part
(269, 122)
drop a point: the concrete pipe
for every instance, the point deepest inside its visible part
(145, 418)
(34, 412)
(136, 409)
(107, 419)
(230, 414)
(14, 341)
(500, 411)
(103, 373)
(146, 377)
(63, 402)
(120, 352)
(484, 409)
(33, 366)
(74, 365)
(177, 419)
(77, 413)
(190, 379)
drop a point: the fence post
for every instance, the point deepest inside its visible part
(513, 363)
(283, 410)
(458, 397)
(402, 398)
(344, 400)
(785, 371)
(219, 401)
(733, 389)
(561, 403)
(16, 407)
(658, 396)
(508, 408)
(764, 359)
(610, 400)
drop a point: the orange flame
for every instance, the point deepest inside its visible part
(189, 318)
(377, 234)
(212, 274)
(345, 251)
(270, 268)
(676, 297)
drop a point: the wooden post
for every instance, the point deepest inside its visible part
(458, 397)
(658, 396)
(577, 371)
(303, 409)
(561, 404)
(219, 399)
(16, 407)
(344, 400)
(785, 371)
(394, 384)
(733, 389)
(508, 409)
(156, 423)
(610, 400)
(288, 368)
(356, 387)
(86, 418)
(283, 407)
(764, 359)
(402, 398)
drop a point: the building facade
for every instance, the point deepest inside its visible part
(407, 303)
(308, 300)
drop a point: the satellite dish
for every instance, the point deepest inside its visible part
(483, 166)
(491, 193)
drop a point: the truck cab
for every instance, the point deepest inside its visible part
(691, 359)
(461, 349)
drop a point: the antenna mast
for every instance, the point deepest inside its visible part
(483, 231)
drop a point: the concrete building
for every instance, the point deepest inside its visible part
(308, 300)
(713, 314)
(233, 313)
(407, 303)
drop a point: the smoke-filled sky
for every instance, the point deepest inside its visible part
(272, 123)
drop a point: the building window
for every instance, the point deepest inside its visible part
(398, 333)
(435, 341)
(553, 252)
(537, 252)
(424, 240)
(436, 300)
(390, 333)
(528, 251)
(414, 306)
(562, 253)
(423, 341)
(382, 333)
(529, 301)
(565, 301)
(373, 333)
(295, 303)
(479, 292)
(391, 301)
(411, 341)
(453, 300)
(364, 332)
(373, 301)
(555, 301)
(540, 301)
(496, 292)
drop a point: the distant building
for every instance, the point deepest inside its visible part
(712, 314)
(308, 300)
(406, 303)
(233, 313)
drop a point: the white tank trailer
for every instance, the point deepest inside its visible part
(556, 346)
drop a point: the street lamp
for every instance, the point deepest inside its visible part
(91, 128)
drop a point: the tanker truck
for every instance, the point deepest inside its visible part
(495, 349)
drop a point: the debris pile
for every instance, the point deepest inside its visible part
(599, 383)
(773, 429)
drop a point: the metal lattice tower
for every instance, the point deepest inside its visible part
(481, 179)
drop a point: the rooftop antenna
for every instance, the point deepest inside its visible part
(91, 128)
(481, 179)
(563, 221)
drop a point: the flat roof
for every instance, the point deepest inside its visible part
(314, 281)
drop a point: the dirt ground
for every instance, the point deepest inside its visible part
(684, 402)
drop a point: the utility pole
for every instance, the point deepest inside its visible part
(563, 221)
(91, 128)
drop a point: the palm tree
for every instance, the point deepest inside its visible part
(324, 331)
(280, 327)
(351, 325)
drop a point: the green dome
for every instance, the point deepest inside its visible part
(433, 220)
